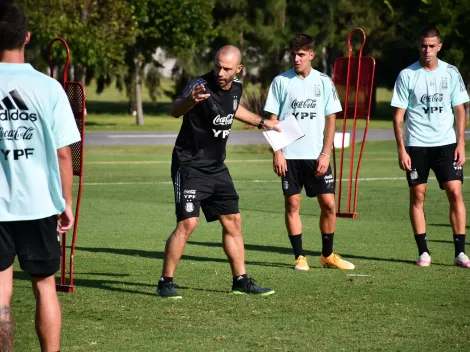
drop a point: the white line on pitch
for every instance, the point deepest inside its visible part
(246, 181)
(142, 136)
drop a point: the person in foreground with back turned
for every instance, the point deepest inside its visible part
(36, 128)
(201, 179)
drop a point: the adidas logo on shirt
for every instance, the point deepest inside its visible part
(13, 108)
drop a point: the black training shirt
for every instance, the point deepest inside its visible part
(206, 126)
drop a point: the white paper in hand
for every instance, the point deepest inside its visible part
(290, 132)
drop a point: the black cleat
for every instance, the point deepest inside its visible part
(167, 289)
(245, 287)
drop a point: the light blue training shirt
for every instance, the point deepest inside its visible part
(429, 98)
(309, 99)
(35, 120)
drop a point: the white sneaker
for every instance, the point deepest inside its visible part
(424, 259)
(462, 260)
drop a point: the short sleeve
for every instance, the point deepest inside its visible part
(332, 103)
(400, 95)
(64, 127)
(190, 86)
(273, 101)
(459, 93)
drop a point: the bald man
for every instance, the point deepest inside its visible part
(200, 177)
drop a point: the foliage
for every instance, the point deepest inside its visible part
(254, 101)
(176, 26)
(97, 32)
(115, 40)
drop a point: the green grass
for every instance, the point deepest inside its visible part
(127, 214)
(108, 112)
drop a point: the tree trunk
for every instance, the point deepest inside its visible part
(139, 117)
(242, 42)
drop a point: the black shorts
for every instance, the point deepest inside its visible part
(301, 173)
(215, 194)
(439, 159)
(35, 242)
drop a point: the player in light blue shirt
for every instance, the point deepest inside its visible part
(311, 97)
(36, 127)
(430, 95)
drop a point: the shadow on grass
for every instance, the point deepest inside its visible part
(107, 285)
(286, 250)
(441, 241)
(445, 225)
(93, 123)
(159, 255)
(122, 108)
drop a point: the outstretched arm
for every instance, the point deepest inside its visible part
(182, 105)
(247, 116)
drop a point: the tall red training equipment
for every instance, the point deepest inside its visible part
(76, 94)
(354, 81)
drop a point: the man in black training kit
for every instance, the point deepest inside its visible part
(200, 177)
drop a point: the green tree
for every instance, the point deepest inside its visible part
(451, 18)
(259, 30)
(97, 32)
(175, 26)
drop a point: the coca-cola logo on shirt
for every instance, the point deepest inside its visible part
(432, 98)
(304, 104)
(223, 120)
(17, 134)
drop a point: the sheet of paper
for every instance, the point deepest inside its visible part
(290, 132)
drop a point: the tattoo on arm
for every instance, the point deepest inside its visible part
(400, 129)
(7, 329)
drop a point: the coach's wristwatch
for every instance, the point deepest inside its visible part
(261, 124)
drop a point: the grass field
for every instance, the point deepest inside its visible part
(108, 112)
(386, 304)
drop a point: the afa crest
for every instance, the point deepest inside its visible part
(444, 84)
(317, 91)
(189, 207)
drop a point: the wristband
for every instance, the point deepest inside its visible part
(261, 124)
(325, 155)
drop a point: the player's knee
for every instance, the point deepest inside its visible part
(292, 205)
(328, 208)
(186, 227)
(232, 222)
(455, 195)
(417, 198)
(43, 286)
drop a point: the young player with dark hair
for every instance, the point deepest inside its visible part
(311, 97)
(430, 94)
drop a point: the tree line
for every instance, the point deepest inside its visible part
(114, 41)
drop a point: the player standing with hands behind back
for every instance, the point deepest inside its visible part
(311, 97)
(431, 94)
